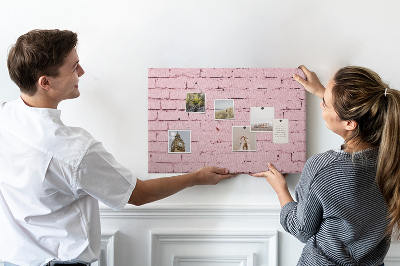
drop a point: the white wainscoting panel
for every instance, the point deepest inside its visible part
(129, 236)
(184, 235)
(107, 249)
(206, 248)
(392, 261)
(220, 261)
(393, 256)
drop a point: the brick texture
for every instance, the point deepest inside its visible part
(211, 140)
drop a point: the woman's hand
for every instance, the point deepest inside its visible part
(312, 84)
(277, 182)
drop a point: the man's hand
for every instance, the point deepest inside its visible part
(155, 189)
(312, 84)
(210, 175)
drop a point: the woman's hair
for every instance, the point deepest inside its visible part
(38, 53)
(359, 94)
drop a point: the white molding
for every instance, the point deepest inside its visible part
(246, 260)
(183, 211)
(393, 259)
(242, 246)
(107, 254)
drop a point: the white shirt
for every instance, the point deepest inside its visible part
(51, 179)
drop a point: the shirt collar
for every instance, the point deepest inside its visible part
(42, 111)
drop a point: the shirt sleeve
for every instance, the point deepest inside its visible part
(102, 177)
(303, 218)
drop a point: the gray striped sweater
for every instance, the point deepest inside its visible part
(339, 211)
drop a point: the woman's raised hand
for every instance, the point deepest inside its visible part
(312, 83)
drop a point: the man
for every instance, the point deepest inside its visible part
(51, 175)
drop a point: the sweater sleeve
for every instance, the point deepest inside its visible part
(302, 218)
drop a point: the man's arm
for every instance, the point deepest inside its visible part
(155, 189)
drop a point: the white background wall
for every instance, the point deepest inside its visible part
(119, 40)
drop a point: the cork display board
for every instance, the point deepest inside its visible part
(238, 118)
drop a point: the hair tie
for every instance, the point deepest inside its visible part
(385, 91)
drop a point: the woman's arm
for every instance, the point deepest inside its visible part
(301, 219)
(278, 183)
(312, 84)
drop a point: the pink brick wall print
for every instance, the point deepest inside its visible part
(238, 118)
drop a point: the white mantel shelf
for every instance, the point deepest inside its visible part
(180, 211)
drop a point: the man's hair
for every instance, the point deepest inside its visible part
(38, 53)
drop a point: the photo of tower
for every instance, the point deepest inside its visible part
(179, 141)
(178, 145)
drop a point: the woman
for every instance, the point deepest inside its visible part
(348, 200)
(244, 144)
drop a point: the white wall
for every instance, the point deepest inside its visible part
(119, 40)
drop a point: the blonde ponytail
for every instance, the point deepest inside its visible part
(388, 172)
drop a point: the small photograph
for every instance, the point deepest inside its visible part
(243, 139)
(262, 119)
(224, 109)
(195, 102)
(179, 141)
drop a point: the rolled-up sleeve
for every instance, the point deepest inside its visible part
(102, 177)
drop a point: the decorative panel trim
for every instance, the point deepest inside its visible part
(249, 260)
(172, 247)
(393, 259)
(183, 211)
(107, 249)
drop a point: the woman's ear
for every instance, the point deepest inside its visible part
(351, 125)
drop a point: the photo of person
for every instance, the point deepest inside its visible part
(262, 119)
(224, 109)
(195, 102)
(243, 139)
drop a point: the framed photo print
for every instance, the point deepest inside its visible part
(243, 139)
(195, 102)
(179, 141)
(224, 109)
(262, 119)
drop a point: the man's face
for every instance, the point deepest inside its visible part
(65, 86)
